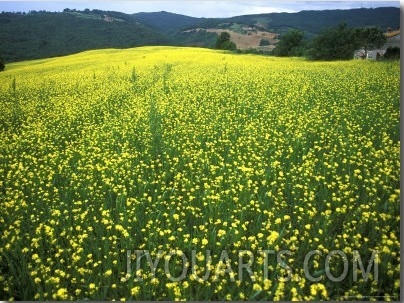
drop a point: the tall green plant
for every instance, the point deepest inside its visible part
(291, 44)
(336, 43)
(224, 42)
(370, 38)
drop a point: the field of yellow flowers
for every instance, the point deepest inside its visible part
(163, 173)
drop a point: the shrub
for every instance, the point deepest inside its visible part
(224, 42)
(2, 64)
(392, 53)
(264, 42)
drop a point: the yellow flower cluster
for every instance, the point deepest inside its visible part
(163, 149)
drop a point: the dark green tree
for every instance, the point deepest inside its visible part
(224, 42)
(2, 64)
(392, 53)
(291, 44)
(370, 38)
(336, 43)
(264, 42)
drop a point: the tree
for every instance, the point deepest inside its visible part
(264, 42)
(336, 43)
(2, 64)
(224, 42)
(392, 53)
(370, 38)
(291, 44)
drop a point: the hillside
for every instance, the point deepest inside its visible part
(173, 25)
(312, 22)
(44, 34)
(166, 22)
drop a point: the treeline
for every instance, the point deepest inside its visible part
(334, 43)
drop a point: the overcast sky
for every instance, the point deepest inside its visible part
(207, 8)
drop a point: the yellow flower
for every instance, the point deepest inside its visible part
(108, 273)
(61, 294)
(221, 233)
(313, 290)
(267, 284)
(272, 237)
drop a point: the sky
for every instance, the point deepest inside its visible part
(206, 8)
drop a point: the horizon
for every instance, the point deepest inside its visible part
(198, 9)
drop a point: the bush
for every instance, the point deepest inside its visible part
(264, 42)
(392, 53)
(339, 43)
(2, 65)
(291, 44)
(224, 42)
(336, 43)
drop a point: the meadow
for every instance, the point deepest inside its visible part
(173, 150)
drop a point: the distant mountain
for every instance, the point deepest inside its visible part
(166, 22)
(312, 22)
(43, 34)
(247, 30)
(173, 25)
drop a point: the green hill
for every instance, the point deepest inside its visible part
(180, 28)
(44, 34)
(312, 22)
(173, 25)
(166, 22)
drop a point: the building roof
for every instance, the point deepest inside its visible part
(392, 33)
